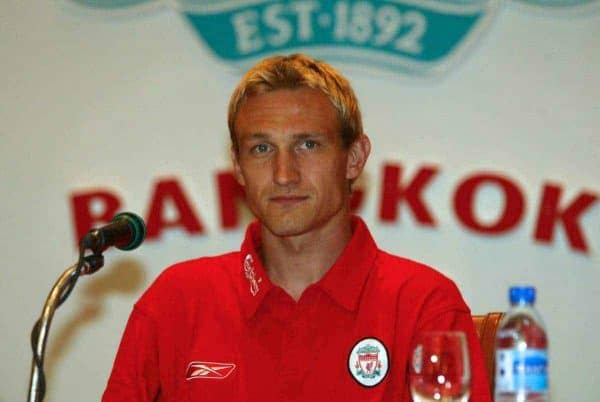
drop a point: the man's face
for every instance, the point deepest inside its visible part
(291, 160)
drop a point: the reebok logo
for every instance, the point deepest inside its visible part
(212, 370)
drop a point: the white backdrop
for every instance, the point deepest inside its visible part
(120, 100)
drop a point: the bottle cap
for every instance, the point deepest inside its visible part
(521, 294)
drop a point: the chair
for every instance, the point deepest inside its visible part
(486, 326)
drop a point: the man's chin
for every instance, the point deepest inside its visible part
(286, 227)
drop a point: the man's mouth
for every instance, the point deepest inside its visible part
(288, 199)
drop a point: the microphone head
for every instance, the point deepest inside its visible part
(137, 226)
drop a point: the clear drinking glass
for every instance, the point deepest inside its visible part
(440, 371)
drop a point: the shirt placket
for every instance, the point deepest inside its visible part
(296, 353)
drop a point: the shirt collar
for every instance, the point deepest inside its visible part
(253, 280)
(343, 282)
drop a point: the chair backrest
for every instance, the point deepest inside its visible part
(486, 326)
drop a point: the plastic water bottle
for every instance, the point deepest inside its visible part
(521, 351)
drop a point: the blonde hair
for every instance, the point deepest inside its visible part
(297, 71)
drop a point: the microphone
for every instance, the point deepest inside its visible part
(126, 232)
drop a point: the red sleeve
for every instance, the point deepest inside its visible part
(135, 374)
(458, 320)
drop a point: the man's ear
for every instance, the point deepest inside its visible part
(357, 156)
(237, 171)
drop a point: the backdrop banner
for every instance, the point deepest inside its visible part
(483, 114)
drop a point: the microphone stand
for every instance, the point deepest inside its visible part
(59, 293)
(126, 232)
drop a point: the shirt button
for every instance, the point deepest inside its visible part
(292, 333)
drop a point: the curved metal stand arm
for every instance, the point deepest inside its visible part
(43, 326)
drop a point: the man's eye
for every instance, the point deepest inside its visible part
(309, 144)
(260, 148)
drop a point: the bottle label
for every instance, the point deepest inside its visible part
(521, 370)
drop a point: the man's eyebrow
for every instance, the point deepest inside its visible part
(297, 136)
(256, 136)
(308, 135)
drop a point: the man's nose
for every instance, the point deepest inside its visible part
(286, 168)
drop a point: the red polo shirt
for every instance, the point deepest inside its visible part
(216, 329)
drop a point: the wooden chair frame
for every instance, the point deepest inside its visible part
(486, 326)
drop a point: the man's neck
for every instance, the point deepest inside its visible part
(296, 262)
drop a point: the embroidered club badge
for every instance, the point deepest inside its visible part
(368, 362)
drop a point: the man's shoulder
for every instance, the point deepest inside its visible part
(405, 270)
(202, 267)
(205, 277)
(418, 283)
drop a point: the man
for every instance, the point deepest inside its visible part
(288, 317)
